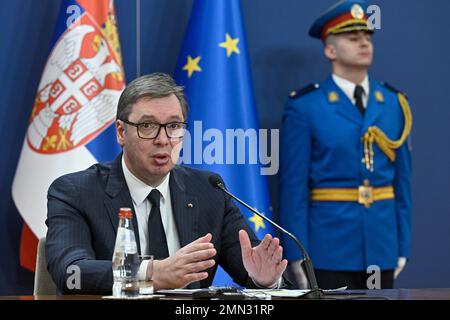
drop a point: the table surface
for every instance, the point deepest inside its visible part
(383, 294)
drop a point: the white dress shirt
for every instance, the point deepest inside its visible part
(142, 206)
(348, 88)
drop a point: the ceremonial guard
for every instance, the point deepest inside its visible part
(345, 163)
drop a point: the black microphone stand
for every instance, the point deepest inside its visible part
(316, 292)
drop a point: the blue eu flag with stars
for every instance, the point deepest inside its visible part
(214, 68)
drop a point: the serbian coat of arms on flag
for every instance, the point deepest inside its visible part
(76, 100)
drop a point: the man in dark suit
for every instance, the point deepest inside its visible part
(189, 226)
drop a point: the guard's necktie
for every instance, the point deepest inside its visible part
(358, 95)
(157, 242)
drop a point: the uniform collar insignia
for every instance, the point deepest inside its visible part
(333, 97)
(379, 96)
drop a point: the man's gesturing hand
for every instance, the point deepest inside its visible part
(264, 263)
(187, 265)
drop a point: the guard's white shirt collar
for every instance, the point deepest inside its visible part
(348, 87)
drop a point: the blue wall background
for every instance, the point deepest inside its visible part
(411, 52)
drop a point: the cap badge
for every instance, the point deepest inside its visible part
(357, 12)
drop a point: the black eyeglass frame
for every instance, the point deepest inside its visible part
(161, 125)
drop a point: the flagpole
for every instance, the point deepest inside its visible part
(138, 38)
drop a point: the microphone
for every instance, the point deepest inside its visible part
(316, 292)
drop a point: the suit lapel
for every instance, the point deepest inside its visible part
(185, 211)
(185, 208)
(119, 197)
(375, 106)
(341, 103)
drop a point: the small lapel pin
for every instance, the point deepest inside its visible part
(190, 205)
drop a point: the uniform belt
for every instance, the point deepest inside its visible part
(364, 194)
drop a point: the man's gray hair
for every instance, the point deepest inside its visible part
(155, 85)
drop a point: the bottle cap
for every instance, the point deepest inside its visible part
(125, 213)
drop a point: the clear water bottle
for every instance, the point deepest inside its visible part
(125, 261)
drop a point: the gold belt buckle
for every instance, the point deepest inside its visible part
(365, 194)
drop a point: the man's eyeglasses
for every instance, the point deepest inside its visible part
(150, 130)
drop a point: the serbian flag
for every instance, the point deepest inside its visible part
(71, 125)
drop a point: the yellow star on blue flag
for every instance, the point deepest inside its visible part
(258, 221)
(192, 65)
(230, 44)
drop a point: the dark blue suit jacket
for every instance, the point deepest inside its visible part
(82, 223)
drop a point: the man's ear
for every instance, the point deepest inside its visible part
(120, 130)
(330, 51)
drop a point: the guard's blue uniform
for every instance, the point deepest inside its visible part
(321, 147)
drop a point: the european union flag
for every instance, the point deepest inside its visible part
(214, 69)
